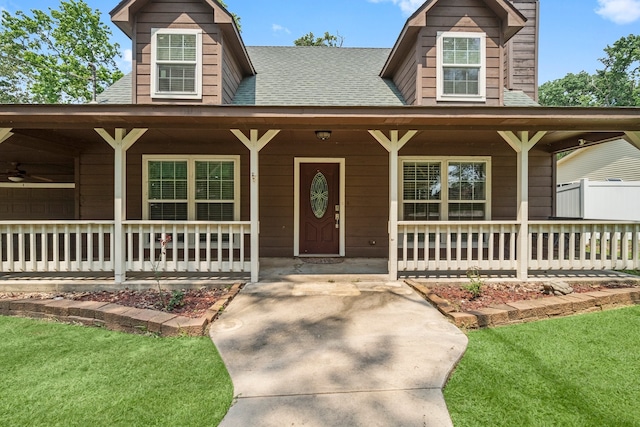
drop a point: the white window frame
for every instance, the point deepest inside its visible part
(191, 180)
(444, 181)
(155, 90)
(482, 73)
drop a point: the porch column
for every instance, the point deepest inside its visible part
(393, 144)
(633, 138)
(5, 133)
(121, 142)
(255, 143)
(522, 144)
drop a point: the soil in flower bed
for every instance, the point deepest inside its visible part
(192, 303)
(503, 293)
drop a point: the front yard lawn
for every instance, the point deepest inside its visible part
(64, 375)
(575, 371)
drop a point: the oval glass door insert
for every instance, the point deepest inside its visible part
(319, 195)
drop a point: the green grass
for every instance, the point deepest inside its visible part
(575, 371)
(633, 272)
(64, 375)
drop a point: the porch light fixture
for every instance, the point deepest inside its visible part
(323, 135)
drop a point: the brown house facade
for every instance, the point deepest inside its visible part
(432, 154)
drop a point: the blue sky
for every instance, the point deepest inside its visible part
(573, 33)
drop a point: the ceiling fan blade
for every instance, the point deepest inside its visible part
(40, 178)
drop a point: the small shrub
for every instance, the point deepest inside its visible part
(177, 300)
(475, 282)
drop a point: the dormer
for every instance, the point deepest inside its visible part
(187, 52)
(454, 52)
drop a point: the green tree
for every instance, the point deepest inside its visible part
(577, 90)
(328, 40)
(236, 18)
(617, 84)
(63, 56)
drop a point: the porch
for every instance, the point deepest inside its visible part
(68, 253)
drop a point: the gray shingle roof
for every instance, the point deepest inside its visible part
(313, 76)
(290, 75)
(517, 98)
(117, 93)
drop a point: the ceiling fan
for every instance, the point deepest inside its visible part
(17, 174)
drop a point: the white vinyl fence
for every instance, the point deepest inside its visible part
(599, 200)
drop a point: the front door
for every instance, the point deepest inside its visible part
(319, 208)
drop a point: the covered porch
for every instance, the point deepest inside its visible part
(128, 245)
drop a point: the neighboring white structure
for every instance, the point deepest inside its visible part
(610, 160)
(600, 182)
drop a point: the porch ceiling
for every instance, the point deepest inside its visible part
(565, 126)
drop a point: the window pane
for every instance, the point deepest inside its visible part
(168, 211)
(466, 211)
(421, 211)
(460, 81)
(214, 212)
(421, 181)
(167, 180)
(176, 78)
(461, 50)
(215, 180)
(467, 181)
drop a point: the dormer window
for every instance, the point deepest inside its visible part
(461, 74)
(176, 63)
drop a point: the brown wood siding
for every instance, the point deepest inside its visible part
(231, 75)
(192, 14)
(366, 212)
(31, 204)
(406, 78)
(464, 16)
(367, 190)
(521, 68)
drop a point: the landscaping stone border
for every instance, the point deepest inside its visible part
(117, 317)
(530, 310)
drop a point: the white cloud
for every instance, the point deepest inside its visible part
(619, 11)
(124, 63)
(277, 28)
(407, 6)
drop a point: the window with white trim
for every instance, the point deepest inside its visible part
(445, 189)
(176, 63)
(193, 188)
(461, 72)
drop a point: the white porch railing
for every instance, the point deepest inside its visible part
(193, 247)
(584, 245)
(56, 246)
(89, 246)
(491, 245)
(456, 245)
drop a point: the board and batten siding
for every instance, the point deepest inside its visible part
(193, 14)
(521, 52)
(614, 159)
(463, 16)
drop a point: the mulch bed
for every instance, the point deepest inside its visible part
(502, 293)
(193, 303)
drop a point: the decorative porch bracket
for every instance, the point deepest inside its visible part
(255, 143)
(633, 138)
(393, 144)
(5, 133)
(120, 142)
(522, 144)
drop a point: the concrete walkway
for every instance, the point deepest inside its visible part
(353, 353)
